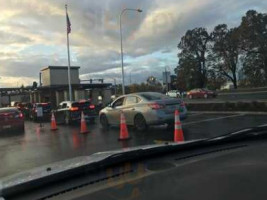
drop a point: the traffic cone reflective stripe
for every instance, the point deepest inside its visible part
(178, 131)
(178, 126)
(53, 123)
(83, 125)
(124, 135)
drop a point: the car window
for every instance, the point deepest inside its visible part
(131, 100)
(118, 103)
(64, 105)
(153, 96)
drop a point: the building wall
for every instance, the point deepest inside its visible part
(59, 97)
(59, 77)
(107, 96)
(79, 95)
(46, 77)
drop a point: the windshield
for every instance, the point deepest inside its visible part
(96, 76)
(81, 104)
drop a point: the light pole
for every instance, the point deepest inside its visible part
(115, 84)
(122, 69)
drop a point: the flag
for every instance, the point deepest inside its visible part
(68, 24)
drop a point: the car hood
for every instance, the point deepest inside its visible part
(71, 164)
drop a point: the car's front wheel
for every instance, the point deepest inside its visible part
(140, 123)
(104, 122)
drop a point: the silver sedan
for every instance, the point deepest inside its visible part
(143, 109)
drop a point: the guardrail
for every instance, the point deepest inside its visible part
(253, 106)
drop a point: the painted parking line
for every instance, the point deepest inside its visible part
(212, 119)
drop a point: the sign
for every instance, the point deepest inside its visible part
(166, 77)
(39, 111)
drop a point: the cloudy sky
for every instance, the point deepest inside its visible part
(33, 35)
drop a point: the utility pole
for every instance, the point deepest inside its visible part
(122, 63)
(167, 83)
(115, 84)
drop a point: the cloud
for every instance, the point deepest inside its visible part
(15, 81)
(11, 38)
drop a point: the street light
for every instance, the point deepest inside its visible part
(122, 69)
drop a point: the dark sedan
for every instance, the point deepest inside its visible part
(11, 119)
(70, 111)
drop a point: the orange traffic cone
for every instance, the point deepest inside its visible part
(83, 125)
(124, 135)
(53, 123)
(178, 131)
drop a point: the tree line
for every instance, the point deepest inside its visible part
(238, 54)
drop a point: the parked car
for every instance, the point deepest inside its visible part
(70, 111)
(46, 107)
(11, 119)
(14, 103)
(142, 110)
(201, 93)
(174, 94)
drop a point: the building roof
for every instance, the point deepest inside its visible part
(76, 86)
(60, 67)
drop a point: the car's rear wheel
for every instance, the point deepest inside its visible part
(104, 122)
(140, 122)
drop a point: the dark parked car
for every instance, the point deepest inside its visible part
(46, 107)
(70, 111)
(11, 119)
(201, 93)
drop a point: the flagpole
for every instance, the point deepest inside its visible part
(69, 77)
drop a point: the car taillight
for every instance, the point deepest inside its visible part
(156, 106)
(20, 115)
(74, 109)
(92, 106)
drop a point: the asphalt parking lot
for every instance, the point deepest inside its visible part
(40, 146)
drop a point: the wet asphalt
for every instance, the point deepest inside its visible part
(39, 146)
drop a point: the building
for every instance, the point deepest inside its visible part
(55, 75)
(53, 87)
